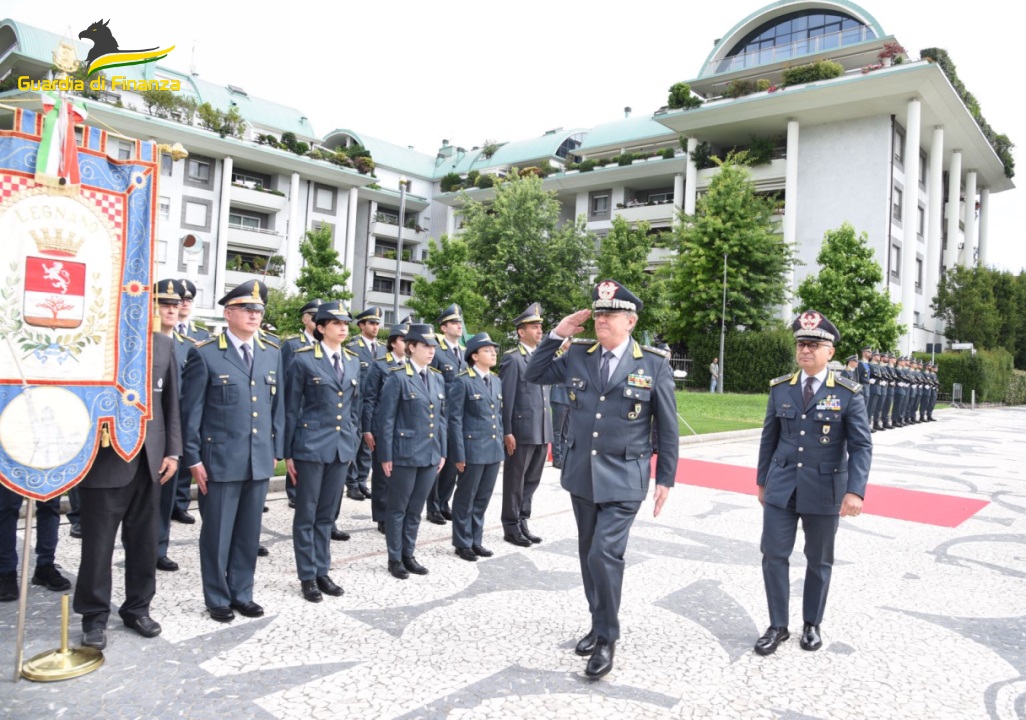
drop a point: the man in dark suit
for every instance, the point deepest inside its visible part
(115, 492)
(618, 391)
(450, 361)
(814, 460)
(233, 430)
(288, 349)
(527, 422)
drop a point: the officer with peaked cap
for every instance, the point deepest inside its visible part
(450, 361)
(186, 327)
(368, 349)
(814, 459)
(410, 431)
(233, 429)
(527, 423)
(475, 432)
(618, 390)
(891, 373)
(370, 391)
(874, 389)
(322, 419)
(851, 367)
(288, 349)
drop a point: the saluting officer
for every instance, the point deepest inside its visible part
(475, 432)
(814, 460)
(410, 431)
(450, 361)
(233, 424)
(527, 421)
(368, 349)
(322, 420)
(618, 391)
(370, 391)
(288, 349)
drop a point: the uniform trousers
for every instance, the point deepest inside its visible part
(183, 489)
(873, 400)
(379, 492)
(473, 492)
(602, 533)
(48, 518)
(521, 476)
(560, 425)
(441, 492)
(318, 491)
(360, 468)
(885, 406)
(134, 508)
(169, 502)
(900, 398)
(779, 528)
(408, 489)
(229, 539)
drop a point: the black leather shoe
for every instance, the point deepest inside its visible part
(340, 535)
(145, 626)
(166, 564)
(248, 609)
(310, 591)
(95, 638)
(262, 551)
(292, 504)
(381, 528)
(183, 516)
(586, 645)
(75, 531)
(767, 644)
(398, 571)
(481, 551)
(221, 614)
(811, 639)
(267, 509)
(447, 514)
(8, 586)
(436, 518)
(411, 564)
(355, 494)
(466, 554)
(328, 586)
(601, 660)
(527, 533)
(517, 539)
(50, 577)
(365, 490)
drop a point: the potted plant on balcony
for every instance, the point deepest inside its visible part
(892, 53)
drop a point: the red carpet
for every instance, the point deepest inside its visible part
(912, 505)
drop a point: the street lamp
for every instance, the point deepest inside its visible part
(403, 185)
(723, 323)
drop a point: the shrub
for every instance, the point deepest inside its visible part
(820, 70)
(988, 372)
(667, 153)
(762, 85)
(738, 88)
(588, 165)
(752, 359)
(1016, 394)
(485, 181)
(703, 156)
(624, 159)
(472, 177)
(681, 97)
(450, 182)
(760, 151)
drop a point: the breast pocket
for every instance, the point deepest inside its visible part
(405, 444)
(224, 390)
(271, 387)
(636, 403)
(786, 418)
(575, 387)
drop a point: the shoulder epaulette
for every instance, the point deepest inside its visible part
(656, 351)
(432, 368)
(510, 351)
(781, 379)
(523, 350)
(463, 372)
(397, 367)
(350, 352)
(386, 358)
(582, 341)
(209, 340)
(850, 384)
(305, 348)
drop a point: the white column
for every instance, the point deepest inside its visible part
(790, 209)
(969, 247)
(222, 228)
(450, 220)
(678, 196)
(295, 235)
(691, 184)
(954, 212)
(909, 222)
(350, 254)
(984, 222)
(934, 189)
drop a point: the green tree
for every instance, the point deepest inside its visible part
(322, 275)
(524, 253)
(623, 256)
(729, 219)
(455, 281)
(846, 291)
(965, 301)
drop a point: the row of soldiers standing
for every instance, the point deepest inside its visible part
(899, 391)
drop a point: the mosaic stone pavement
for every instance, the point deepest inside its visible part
(922, 621)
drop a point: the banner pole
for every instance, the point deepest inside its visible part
(26, 546)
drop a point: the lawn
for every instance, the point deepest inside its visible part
(710, 413)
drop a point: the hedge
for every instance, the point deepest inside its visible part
(988, 372)
(751, 359)
(1016, 394)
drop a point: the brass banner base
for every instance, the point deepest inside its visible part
(64, 663)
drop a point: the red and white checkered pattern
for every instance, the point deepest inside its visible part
(111, 205)
(13, 184)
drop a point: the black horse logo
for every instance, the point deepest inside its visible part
(103, 41)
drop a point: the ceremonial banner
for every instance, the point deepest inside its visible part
(76, 244)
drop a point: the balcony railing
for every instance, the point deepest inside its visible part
(797, 48)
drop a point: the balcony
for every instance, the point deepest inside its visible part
(248, 197)
(662, 212)
(385, 229)
(790, 51)
(384, 263)
(256, 238)
(233, 278)
(660, 256)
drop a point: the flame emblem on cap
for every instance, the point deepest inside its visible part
(810, 320)
(607, 290)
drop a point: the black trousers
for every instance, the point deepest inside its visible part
(135, 508)
(521, 476)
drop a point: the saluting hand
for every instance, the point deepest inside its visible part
(168, 468)
(572, 324)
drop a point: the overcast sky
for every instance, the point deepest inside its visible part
(415, 73)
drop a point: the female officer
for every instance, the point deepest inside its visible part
(410, 435)
(322, 415)
(475, 427)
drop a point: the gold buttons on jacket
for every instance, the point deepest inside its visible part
(598, 416)
(252, 382)
(340, 404)
(799, 464)
(594, 452)
(594, 434)
(340, 394)
(802, 432)
(255, 414)
(431, 435)
(338, 417)
(338, 428)
(602, 398)
(254, 431)
(254, 398)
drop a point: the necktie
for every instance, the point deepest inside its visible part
(181, 328)
(247, 356)
(423, 376)
(374, 350)
(604, 368)
(488, 382)
(807, 395)
(338, 367)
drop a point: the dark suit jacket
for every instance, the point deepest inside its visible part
(163, 431)
(322, 416)
(526, 413)
(475, 419)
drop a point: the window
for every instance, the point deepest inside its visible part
(660, 197)
(120, 149)
(919, 275)
(250, 181)
(598, 204)
(196, 213)
(165, 207)
(166, 165)
(79, 135)
(162, 251)
(331, 228)
(922, 169)
(899, 146)
(324, 199)
(899, 199)
(921, 222)
(917, 319)
(895, 261)
(243, 221)
(199, 171)
(383, 284)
